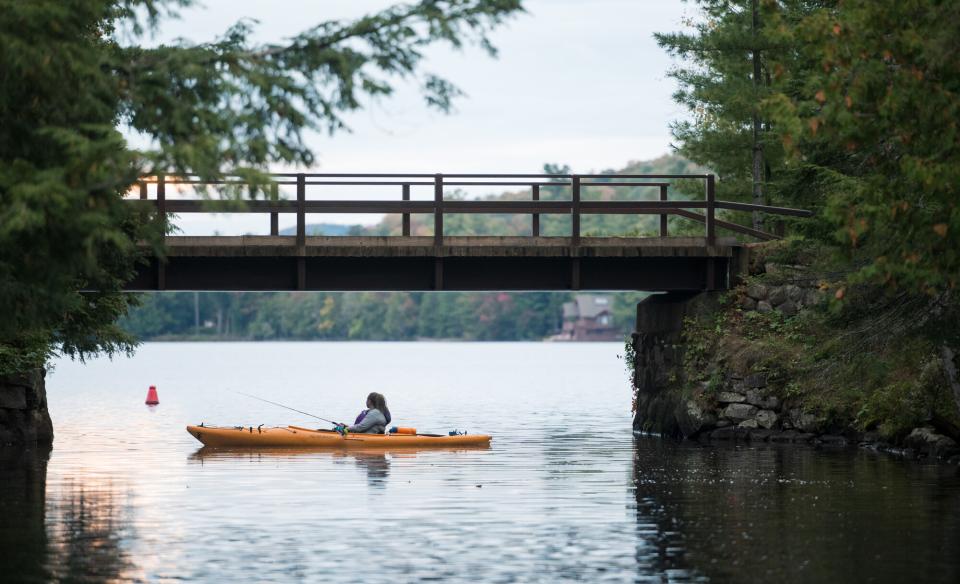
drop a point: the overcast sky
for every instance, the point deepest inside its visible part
(578, 82)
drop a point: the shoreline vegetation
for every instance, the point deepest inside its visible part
(781, 358)
(850, 329)
(206, 339)
(367, 316)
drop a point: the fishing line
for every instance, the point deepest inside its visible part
(289, 408)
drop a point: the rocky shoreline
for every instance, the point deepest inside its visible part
(718, 367)
(24, 418)
(751, 415)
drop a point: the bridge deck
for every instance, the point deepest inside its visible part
(441, 261)
(461, 263)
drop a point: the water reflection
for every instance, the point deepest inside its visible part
(377, 466)
(23, 538)
(88, 526)
(374, 462)
(73, 533)
(795, 514)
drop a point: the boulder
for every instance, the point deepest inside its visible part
(724, 423)
(730, 397)
(763, 306)
(832, 440)
(766, 418)
(693, 418)
(794, 293)
(770, 402)
(753, 397)
(812, 297)
(729, 433)
(750, 424)
(788, 308)
(787, 436)
(746, 303)
(927, 441)
(755, 380)
(778, 296)
(760, 435)
(739, 412)
(757, 292)
(808, 422)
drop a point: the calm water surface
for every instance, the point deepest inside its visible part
(565, 493)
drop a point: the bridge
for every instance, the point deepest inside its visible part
(574, 261)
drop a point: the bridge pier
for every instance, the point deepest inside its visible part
(658, 353)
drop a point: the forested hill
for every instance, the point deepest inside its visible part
(551, 225)
(402, 315)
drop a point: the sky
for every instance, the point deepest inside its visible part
(578, 82)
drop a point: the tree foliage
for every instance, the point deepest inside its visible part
(884, 101)
(361, 316)
(75, 81)
(723, 78)
(860, 113)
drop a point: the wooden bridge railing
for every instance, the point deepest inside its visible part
(575, 206)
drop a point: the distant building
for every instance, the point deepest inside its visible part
(588, 318)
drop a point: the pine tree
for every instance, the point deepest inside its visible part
(725, 80)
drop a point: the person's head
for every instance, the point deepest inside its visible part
(377, 401)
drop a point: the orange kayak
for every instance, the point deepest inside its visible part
(297, 437)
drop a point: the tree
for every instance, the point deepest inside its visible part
(69, 85)
(884, 100)
(724, 82)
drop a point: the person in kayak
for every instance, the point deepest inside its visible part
(375, 418)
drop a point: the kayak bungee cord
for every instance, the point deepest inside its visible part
(291, 409)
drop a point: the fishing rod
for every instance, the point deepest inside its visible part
(289, 408)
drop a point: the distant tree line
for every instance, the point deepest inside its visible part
(371, 316)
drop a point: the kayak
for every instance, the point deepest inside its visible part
(297, 437)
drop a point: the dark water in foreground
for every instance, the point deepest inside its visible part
(565, 493)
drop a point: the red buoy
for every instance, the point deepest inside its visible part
(152, 398)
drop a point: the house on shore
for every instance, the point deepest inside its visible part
(589, 317)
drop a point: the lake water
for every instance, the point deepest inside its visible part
(564, 493)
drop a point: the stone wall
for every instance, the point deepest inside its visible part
(24, 418)
(658, 355)
(796, 290)
(741, 406)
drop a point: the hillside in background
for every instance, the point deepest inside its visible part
(550, 225)
(410, 315)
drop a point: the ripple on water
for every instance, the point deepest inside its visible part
(563, 494)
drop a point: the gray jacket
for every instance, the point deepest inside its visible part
(373, 423)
